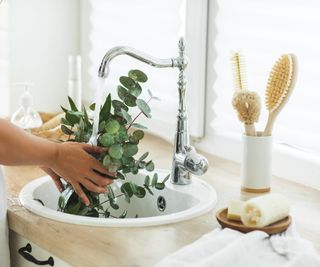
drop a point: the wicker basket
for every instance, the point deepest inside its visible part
(51, 127)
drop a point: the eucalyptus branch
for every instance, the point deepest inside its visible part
(121, 145)
(94, 206)
(139, 114)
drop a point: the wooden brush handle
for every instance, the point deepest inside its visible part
(269, 126)
(250, 129)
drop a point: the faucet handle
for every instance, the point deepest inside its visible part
(194, 162)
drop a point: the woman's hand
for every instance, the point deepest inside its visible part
(73, 163)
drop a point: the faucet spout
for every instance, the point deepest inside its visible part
(132, 52)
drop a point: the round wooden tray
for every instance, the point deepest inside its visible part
(274, 228)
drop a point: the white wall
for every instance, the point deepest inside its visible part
(4, 60)
(42, 35)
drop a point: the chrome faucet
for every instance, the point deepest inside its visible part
(185, 158)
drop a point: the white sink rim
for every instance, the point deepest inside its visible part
(207, 201)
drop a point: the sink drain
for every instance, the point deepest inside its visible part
(161, 203)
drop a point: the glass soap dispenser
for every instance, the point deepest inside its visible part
(26, 117)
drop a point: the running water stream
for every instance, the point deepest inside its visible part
(97, 100)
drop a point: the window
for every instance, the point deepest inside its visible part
(153, 27)
(262, 31)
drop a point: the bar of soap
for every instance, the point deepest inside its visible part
(264, 210)
(234, 210)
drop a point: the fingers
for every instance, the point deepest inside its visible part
(93, 149)
(96, 165)
(98, 180)
(93, 187)
(80, 193)
(55, 177)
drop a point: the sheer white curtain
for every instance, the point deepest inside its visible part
(262, 31)
(153, 27)
(4, 60)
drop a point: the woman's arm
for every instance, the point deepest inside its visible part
(71, 161)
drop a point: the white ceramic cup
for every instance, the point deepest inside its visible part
(256, 170)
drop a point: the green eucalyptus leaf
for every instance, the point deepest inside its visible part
(113, 203)
(66, 130)
(113, 167)
(130, 150)
(102, 126)
(153, 97)
(126, 169)
(141, 164)
(122, 92)
(127, 82)
(127, 160)
(134, 170)
(106, 139)
(133, 140)
(166, 179)
(120, 176)
(126, 188)
(126, 197)
(118, 106)
(126, 116)
(150, 166)
(106, 161)
(72, 104)
(61, 203)
(83, 211)
(159, 186)
(92, 106)
(144, 107)
(138, 134)
(107, 213)
(110, 192)
(147, 180)
(112, 127)
(144, 156)
(134, 187)
(138, 76)
(93, 213)
(116, 151)
(149, 190)
(130, 100)
(123, 215)
(74, 209)
(105, 111)
(154, 180)
(122, 136)
(141, 192)
(136, 91)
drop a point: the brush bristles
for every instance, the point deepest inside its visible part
(238, 68)
(247, 105)
(279, 82)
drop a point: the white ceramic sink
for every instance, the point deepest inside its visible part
(173, 204)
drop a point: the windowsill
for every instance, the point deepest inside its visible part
(290, 163)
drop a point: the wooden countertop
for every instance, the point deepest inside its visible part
(84, 246)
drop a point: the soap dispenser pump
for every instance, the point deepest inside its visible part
(26, 117)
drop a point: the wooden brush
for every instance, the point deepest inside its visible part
(245, 102)
(280, 85)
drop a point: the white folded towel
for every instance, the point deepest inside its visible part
(229, 248)
(4, 236)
